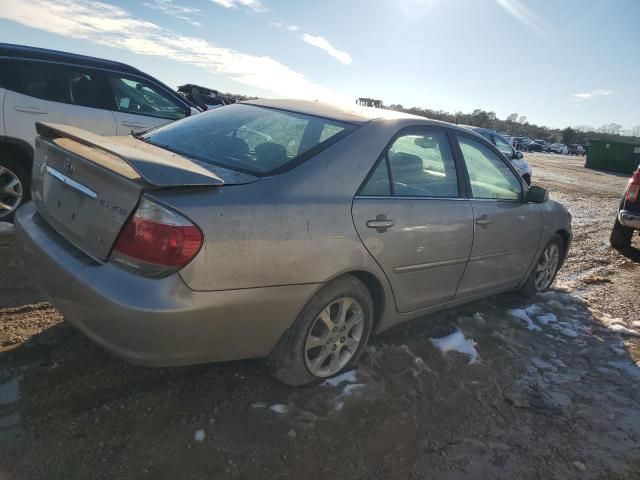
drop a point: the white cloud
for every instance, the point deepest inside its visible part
(178, 11)
(323, 44)
(110, 25)
(253, 5)
(291, 28)
(581, 97)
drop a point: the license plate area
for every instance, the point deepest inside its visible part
(68, 202)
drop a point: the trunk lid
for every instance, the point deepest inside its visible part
(86, 186)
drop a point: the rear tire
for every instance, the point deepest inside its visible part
(319, 344)
(15, 188)
(544, 273)
(620, 235)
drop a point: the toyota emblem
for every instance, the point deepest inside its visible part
(68, 166)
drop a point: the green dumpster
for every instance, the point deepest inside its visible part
(613, 156)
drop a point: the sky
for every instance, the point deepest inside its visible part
(559, 63)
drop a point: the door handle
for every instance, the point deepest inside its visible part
(134, 125)
(381, 223)
(483, 220)
(25, 109)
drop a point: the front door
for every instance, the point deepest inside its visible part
(141, 104)
(507, 230)
(414, 222)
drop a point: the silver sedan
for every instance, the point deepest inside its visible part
(289, 230)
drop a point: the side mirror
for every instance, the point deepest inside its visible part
(536, 195)
(518, 155)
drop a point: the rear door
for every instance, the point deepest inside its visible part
(414, 220)
(140, 104)
(507, 230)
(52, 92)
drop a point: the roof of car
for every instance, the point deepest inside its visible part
(23, 51)
(334, 111)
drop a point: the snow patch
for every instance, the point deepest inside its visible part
(199, 436)
(618, 328)
(350, 388)
(349, 377)
(522, 315)
(546, 318)
(279, 408)
(457, 342)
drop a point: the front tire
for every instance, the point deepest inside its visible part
(14, 188)
(328, 336)
(544, 273)
(620, 236)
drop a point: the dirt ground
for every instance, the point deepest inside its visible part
(560, 399)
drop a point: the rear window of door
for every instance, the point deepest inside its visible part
(74, 85)
(489, 175)
(138, 96)
(417, 164)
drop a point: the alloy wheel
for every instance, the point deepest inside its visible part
(334, 337)
(11, 192)
(547, 267)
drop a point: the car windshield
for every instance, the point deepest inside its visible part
(250, 139)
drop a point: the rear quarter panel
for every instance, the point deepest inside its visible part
(292, 228)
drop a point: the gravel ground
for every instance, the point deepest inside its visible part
(559, 399)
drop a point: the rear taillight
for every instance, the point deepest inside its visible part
(156, 241)
(634, 187)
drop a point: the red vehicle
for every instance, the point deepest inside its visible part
(628, 219)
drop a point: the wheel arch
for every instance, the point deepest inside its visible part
(375, 288)
(566, 242)
(18, 149)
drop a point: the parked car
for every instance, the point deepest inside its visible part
(205, 98)
(628, 219)
(195, 243)
(559, 148)
(535, 147)
(520, 143)
(577, 149)
(504, 146)
(544, 145)
(102, 96)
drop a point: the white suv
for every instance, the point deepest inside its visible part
(108, 98)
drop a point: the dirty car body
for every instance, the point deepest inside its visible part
(264, 218)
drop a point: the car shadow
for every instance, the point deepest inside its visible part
(632, 253)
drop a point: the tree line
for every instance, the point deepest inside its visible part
(516, 125)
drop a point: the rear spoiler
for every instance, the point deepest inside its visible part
(156, 166)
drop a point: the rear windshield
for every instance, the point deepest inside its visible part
(255, 140)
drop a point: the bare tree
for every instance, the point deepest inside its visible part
(635, 131)
(522, 119)
(512, 118)
(611, 128)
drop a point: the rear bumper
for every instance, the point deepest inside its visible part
(155, 322)
(629, 219)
